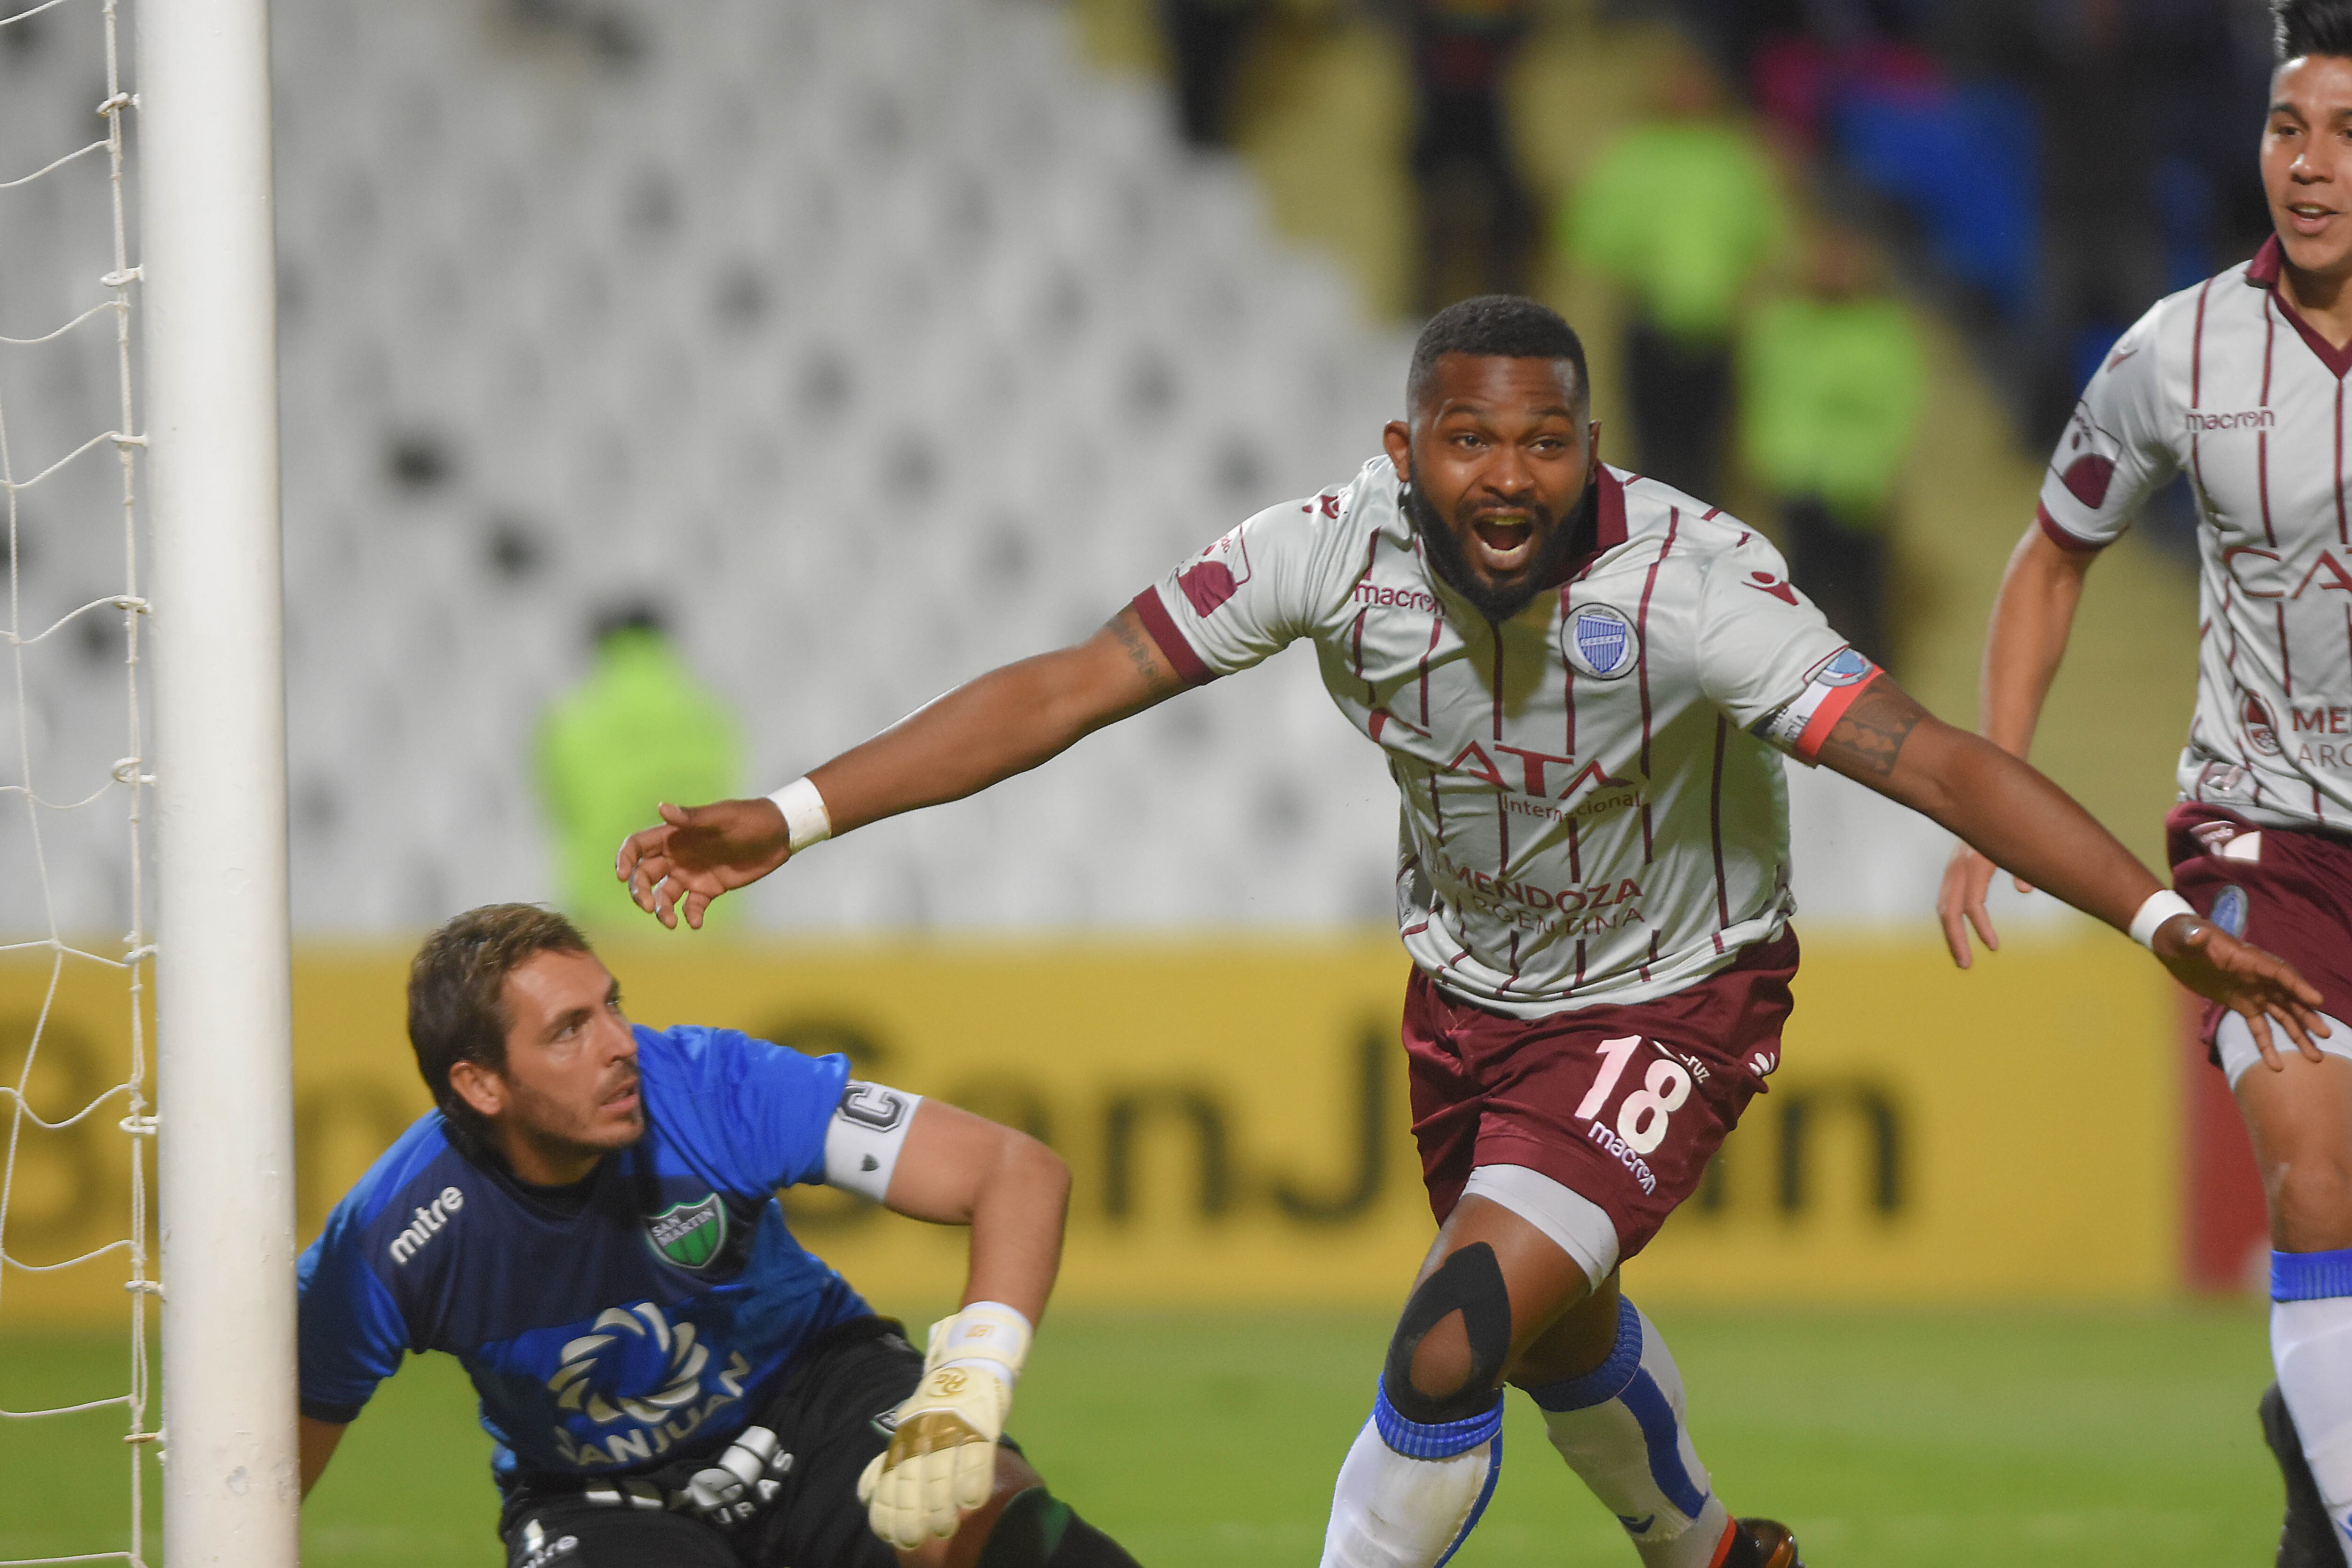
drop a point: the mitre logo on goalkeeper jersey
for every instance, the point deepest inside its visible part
(2226, 383)
(612, 1326)
(1591, 802)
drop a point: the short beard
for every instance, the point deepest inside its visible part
(1498, 605)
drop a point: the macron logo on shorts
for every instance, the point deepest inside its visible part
(1625, 1155)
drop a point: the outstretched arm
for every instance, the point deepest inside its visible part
(2032, 618)
(2019, 820)
(1006, 722)
(1015, 1193)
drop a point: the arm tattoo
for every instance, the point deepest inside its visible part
(1869, 735)
(1142, 653)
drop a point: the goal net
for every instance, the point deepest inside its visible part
(138, 492)
(75, 1098)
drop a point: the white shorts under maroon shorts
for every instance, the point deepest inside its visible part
(1622, 1104)
(2279, 887)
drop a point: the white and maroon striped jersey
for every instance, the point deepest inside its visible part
(2226, 382)
(1592, 809)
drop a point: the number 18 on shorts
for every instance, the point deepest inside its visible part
(1622, 1105)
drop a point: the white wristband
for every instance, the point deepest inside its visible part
(2160, 907)
(989, 1333)
(805, 821)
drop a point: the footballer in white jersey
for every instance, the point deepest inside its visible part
(2231, 383)
(1584, 683)
(1591, 800)
(2239, 383)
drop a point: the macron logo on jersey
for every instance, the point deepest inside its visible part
(2245, 419)
(427, 1225)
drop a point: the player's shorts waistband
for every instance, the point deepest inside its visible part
(2187, 813)
(1772, 953)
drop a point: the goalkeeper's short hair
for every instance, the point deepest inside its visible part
(457, 986)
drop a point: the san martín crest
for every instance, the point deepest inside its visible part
(690, 1235)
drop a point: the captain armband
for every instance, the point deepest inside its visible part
(1800, 726)
(863, 1139)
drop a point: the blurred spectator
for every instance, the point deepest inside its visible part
(1207, 42)
(1832, 381)
(1681, 211)
(639, 730)
(1477, 220)
(1796, 80)
(2066, 162)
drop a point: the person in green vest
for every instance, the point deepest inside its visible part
(1683, 212)
(1832, 379)
(640, 730)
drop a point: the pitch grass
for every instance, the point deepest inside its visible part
(1913, 1439)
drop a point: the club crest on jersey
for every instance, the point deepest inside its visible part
(1599, 641)
(1843, 667)
(2229, 910)
(2260, 730)
(690, 1235)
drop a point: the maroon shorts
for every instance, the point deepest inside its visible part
(1622, 1105)
(2293, 895)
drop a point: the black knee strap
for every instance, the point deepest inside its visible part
(1471, 1283)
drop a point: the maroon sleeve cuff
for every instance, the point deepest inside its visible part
(1162, 628)
(2059, 536)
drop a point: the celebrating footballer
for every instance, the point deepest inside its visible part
(2239, 383)
(1583, 682)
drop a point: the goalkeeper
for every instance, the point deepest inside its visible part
(588, 1222)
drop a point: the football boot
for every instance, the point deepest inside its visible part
(1761, 1544)
(2307, 1538)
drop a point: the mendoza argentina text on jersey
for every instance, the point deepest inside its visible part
(2226, 383)
(651, 1313)
(1591, 803)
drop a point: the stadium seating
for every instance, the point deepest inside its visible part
(879, 343)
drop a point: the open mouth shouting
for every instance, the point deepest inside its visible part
(1502, 542)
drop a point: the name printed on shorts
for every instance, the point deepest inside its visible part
(1609, 1139)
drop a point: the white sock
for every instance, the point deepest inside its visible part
(2311, 1345)
(1393, 1509)
(1619, 1427)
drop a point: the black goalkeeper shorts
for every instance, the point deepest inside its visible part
(830, 1417)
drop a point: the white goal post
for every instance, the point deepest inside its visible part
(223, 990)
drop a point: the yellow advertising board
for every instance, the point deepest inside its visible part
(1234, 1111)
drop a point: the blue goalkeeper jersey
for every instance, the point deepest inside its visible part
(642, 1317)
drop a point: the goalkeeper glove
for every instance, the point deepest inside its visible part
(941, 1461)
